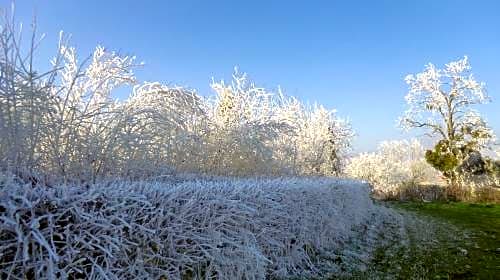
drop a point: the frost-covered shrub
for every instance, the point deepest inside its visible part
(493, 167)
(242, 127)
(62, 122)
(257, 131)
(162, 129)
(394, 165)
(66, 125)
(320, 139)
(187, 228)
(482, 184)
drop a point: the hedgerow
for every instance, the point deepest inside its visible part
(188, 228)
(65, 124)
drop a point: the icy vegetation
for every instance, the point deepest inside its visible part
(394, 165)
(189, 228)
(96, 188)
(88, 191)
(65, 125)
(442, 100)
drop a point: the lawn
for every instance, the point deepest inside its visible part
(460, 241)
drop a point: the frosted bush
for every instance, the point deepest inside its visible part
(261, 132)
(188, 228)
(64, 124)
(395, 164)
(320, 140)
(162, 127)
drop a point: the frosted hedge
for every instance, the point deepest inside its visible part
(187, 228)
(64, 122)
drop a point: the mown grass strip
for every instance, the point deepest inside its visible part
(481, 248)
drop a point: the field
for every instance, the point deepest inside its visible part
(446, 241)
(481, 242)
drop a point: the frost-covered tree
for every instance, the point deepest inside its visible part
(442, 101)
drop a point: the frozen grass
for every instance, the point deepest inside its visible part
(189, 228)
(192, 227)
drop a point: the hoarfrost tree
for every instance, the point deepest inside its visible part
(441, 101)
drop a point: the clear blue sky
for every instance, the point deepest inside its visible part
(348, 55)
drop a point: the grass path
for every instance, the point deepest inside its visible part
(411, 240)
(440, 241)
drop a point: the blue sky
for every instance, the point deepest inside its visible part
(348, 55)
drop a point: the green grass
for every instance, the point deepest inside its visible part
(472, 252)
(436, 241)
(477, 216)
